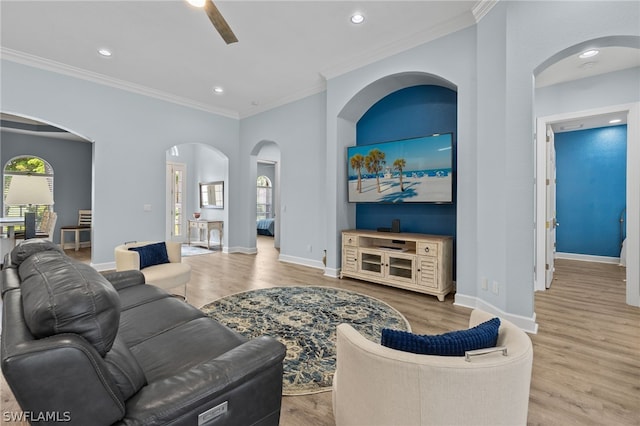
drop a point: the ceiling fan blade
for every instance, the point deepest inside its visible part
(219, 22)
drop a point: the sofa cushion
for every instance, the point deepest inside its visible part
(31, 246)
(152, 254)
(454, 343)
(124, 369)
(60, 295)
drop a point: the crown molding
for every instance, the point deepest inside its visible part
(482, 7)
(68, 70)
(313, 90)
(455, 24)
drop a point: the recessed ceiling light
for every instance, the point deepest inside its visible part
(104, 52)
(588, 54)
(196, 3)
(357, 18)
(588, 65)
(218, 90)
(614, 121)
(572, 127)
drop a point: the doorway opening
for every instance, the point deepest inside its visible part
(545, 215)
(266, 223)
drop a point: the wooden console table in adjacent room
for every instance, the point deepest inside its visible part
(205, 227)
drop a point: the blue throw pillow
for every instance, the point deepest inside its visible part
(152, 254)
(454, 343)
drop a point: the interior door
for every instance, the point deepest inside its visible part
(176, 196)
(551, 220)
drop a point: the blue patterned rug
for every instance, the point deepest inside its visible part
(188, 250)
(305, 320)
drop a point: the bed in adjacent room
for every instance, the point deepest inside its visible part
(265, 227)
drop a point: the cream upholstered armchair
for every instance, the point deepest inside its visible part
(376, 385)
(164, 275)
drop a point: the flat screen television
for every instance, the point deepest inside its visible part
(417, 170)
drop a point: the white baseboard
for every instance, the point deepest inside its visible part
(243, 250)
(588, 258)
(107, 266)
(301, 261)
(527, 324)
(331, 272)
(72, 245)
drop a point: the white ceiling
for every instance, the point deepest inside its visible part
(169, 49)
(286, 49)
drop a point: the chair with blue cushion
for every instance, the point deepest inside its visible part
(160, 262)
(377, 385)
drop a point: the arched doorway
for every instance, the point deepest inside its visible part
(188, 166)
(585, 108)
(265, 160)
(69, 154)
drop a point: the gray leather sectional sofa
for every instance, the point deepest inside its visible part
(85, 348)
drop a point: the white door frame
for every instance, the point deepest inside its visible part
(633, 193)
(169, 201)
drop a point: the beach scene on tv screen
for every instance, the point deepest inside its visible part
(407, 171)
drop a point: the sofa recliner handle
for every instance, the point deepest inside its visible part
(469, 354)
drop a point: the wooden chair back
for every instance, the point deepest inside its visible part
(84, 218)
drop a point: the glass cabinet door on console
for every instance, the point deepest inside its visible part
(371, 262)
(391, 266)
(400, 267)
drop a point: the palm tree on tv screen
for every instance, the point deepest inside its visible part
(398, 165)
(374, 162)
(357, 162)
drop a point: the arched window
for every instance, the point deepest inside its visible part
(264, 198)
(21, 166)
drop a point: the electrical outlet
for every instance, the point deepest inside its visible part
(309, 248)
(495, 287)
(485, 284)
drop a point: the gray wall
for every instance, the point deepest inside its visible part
(71, 162)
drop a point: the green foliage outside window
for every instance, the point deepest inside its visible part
(25, 165)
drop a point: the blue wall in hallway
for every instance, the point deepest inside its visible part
(408, 113)
(591, 190)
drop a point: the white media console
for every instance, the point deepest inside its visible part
(417, 262)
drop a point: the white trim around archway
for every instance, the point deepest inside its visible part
(633, 192)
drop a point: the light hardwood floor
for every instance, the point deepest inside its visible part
(586, 368)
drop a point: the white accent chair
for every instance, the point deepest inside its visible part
(376, 385)
(166, 276)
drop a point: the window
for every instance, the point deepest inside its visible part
(264, 198)
(26, 165)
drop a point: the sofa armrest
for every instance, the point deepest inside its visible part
(124, 279)
(63, 375)
(174, 251)
(248, 377)
(126, 259)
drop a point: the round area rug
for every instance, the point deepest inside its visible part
(304, 319)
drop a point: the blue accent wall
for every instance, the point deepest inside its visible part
(591, 190)
(411, 112)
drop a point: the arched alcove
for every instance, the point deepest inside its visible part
(355, 109)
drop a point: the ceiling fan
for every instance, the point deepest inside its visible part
(216, 19)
